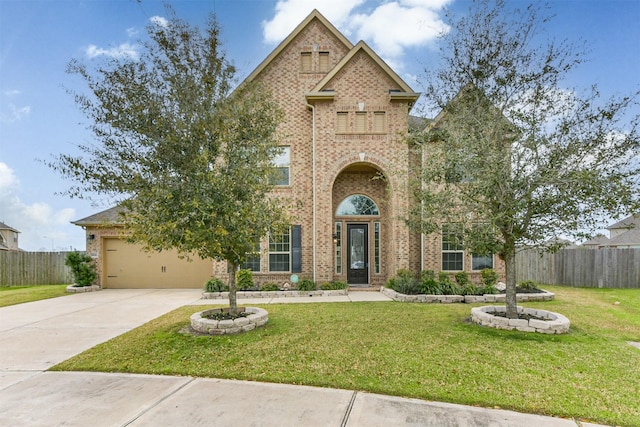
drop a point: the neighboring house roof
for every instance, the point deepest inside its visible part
(111, 216)
(476, 94)
(4, 226)
(558, 242)
(599, 240)
(629, 238)
(418, 123)
(314, 15)
(629, 222)
(404, 93)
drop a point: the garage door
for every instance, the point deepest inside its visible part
(128, 266)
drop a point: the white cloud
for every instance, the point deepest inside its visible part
(12, 92)
(122, 51)
(159, 20)
(36, 220)
(289, 13)
(132, 32)
(8, 180)
(14, 114)
(393, 27)
(389, 28)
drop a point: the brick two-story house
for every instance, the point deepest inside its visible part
(345, 162)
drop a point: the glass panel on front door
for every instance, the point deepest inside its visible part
(358, 254)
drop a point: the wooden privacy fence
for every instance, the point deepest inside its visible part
(593, 268)
(33, 268)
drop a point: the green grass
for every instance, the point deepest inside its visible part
(11, 295)
(413, 350)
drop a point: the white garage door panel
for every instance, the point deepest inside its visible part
(128, 266)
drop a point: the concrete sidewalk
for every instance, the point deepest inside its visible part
(36, 336)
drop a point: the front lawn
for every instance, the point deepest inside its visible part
(11, 295)
(414, 350)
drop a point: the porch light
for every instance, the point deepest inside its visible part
(91, 237)
(335, 238)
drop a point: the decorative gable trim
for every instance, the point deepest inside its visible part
(405, 93)
(312, 16)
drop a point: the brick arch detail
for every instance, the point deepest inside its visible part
(372, 159)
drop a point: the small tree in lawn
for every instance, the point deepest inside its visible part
(188, 161)
(514, 159)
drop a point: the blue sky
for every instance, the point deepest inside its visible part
(38, 38)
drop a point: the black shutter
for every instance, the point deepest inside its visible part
(296, 249)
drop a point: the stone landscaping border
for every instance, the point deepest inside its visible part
(274, 294)
(258, 317)
(548, 322)
(448, 299)
(80, 289)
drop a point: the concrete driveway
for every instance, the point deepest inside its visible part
(35, 336)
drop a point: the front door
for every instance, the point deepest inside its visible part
(358, 254)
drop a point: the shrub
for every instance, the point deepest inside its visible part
(462, 278)
(444, 277)
(489, 289)
(244, 280)
(306, 285)
(427, 275)
(82, 267)
(338, 284)
(405, 274)
(429, 284)
(529, 285)
(270, 287)
(215, 285)
(334, 286)
(391, 284)
(447, 287)
(471, 289)
(489, 277)
(406, 284)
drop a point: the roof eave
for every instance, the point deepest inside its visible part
(319, 96)
(404, 96)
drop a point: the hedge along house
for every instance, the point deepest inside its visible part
(345, 163)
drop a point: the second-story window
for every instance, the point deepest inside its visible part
(282, 165)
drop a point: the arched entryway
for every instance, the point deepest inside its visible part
(360, 214)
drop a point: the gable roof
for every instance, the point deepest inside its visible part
(598, 240)
(405, 94)
(632, 221)
(4, 226)
(629, 238)
(314, 15)
(111, 216)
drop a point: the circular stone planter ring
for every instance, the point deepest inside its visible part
(545, 322)
(257, 317)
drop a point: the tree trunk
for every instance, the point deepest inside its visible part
(233, 301)
(510, 299)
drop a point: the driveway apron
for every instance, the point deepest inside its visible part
(37, 335)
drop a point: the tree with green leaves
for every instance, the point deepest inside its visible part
(514, 159)
(187, 159)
